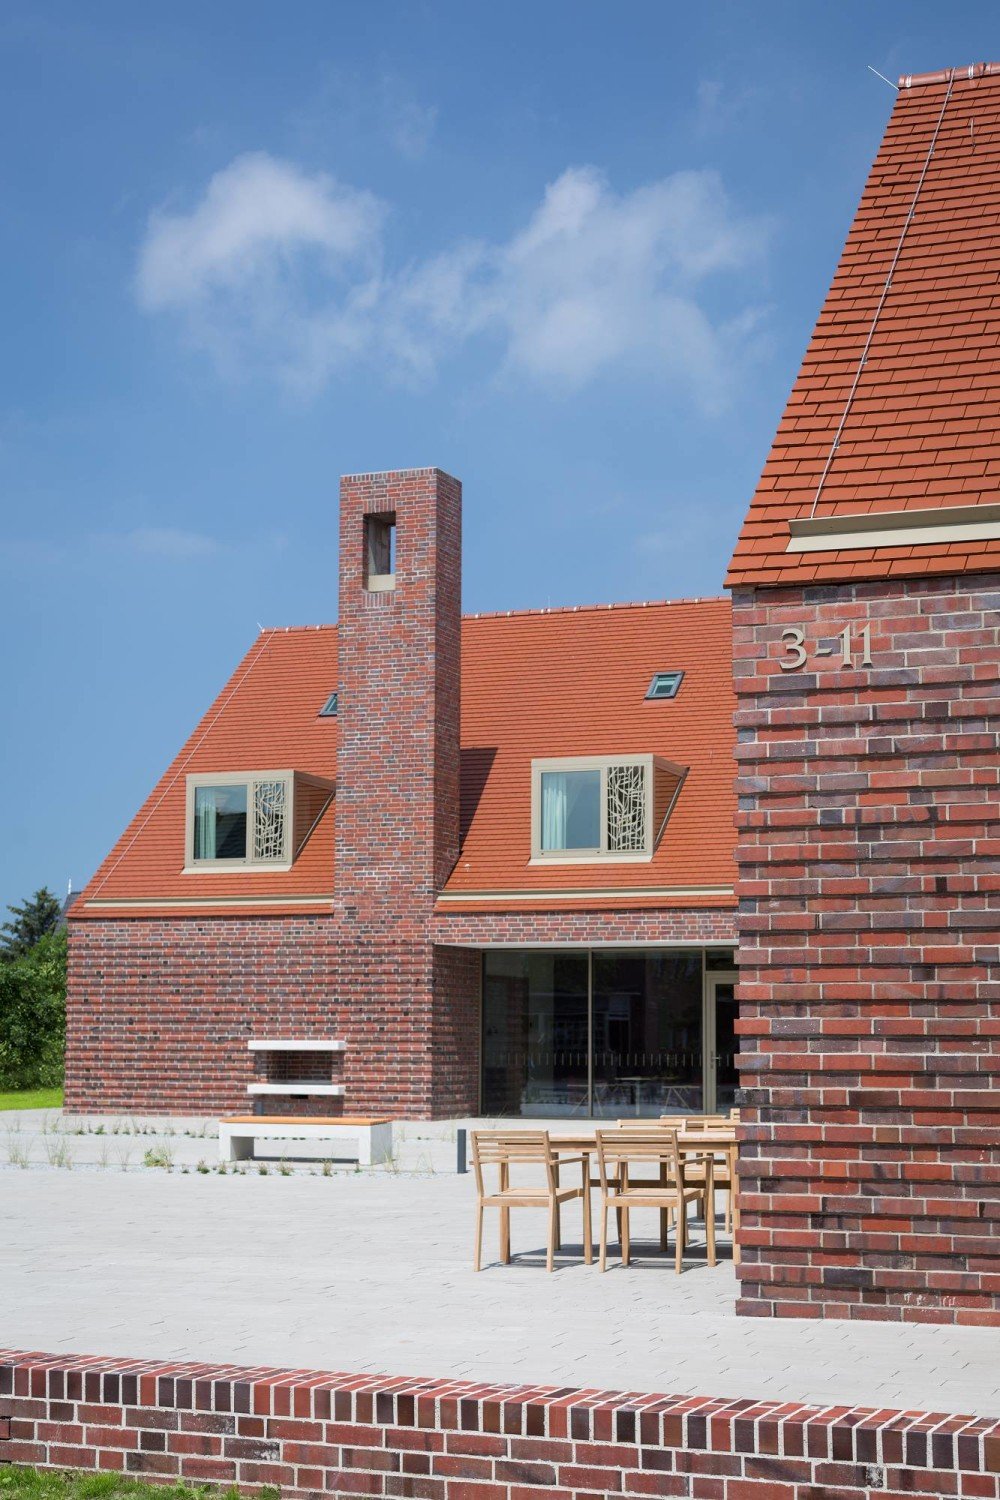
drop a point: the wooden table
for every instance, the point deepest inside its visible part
(721, 1141)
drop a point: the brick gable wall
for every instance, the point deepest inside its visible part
(869, 854)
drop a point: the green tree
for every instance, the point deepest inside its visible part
(32, 921)
(33, 1015)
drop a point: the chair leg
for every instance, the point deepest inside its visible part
(729, 1211)
(553, 1234)
(505, 1236)
(680, 1236)
(603, 1259)
(626, 1237)
(479, 1237)
(558, 1225)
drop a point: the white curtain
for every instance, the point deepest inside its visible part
(204, 822)
(555, 808)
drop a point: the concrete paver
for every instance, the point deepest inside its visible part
(371, 1272)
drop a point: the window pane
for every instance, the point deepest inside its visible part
(647, 1032)
(220, 822)
(571, 810)
(535, 1034)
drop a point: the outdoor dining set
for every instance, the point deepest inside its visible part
(667, 1165)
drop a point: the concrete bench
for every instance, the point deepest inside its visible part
(360, 1138)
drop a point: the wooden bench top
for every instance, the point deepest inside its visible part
(363, 1120)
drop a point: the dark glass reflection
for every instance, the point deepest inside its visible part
(726, 1046)
(535, 1034)
(647, 1032)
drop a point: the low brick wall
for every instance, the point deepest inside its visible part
(457, 1440)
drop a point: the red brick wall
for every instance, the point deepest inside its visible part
(310, 1434)
(869, 853)
(713, 928)
(399, 655)
(160, 1011)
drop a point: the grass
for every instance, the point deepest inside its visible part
(57, 1484)
(32, 1099)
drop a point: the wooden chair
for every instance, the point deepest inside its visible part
(721, 1174)
(617, 1152)
(504, 1149)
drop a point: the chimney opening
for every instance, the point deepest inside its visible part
(380, 551)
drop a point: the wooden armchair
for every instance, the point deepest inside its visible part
(507, 1149)
(618, 1152)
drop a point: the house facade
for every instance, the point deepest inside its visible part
(492, 856)
(503, 858)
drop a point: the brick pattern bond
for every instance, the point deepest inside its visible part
(160, 1011)
(713, 928)
(311, 1433)
(869, 853)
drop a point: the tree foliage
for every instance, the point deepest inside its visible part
(33, 1000)
(38, 915)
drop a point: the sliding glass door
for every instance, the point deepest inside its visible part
(536, 1023)
(647, 1032)
(613, 1033)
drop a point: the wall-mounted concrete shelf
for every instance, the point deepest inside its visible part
(304, 1044)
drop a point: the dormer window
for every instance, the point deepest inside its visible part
(253, 820)
(587, 808)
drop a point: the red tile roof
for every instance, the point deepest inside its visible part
(573, 682)
(265, 718)
(561, 682)
(921, 414)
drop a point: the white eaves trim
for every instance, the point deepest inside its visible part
(898, 528)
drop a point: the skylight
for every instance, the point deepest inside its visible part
(664, 685)
(329, 709)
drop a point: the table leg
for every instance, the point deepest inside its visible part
(588, 1233)
(710, 1208)
(663, 1211)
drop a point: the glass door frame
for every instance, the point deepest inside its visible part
(712, 979)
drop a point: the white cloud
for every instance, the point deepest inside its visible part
(258, 216)
(280, 269)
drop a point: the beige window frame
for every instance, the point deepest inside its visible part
(291, 780)
(651, 765)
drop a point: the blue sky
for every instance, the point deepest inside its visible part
(568, 251)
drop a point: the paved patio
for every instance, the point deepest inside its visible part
(371, 1272)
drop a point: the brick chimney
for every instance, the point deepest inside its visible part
(399, 644)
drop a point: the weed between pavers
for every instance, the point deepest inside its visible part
(159, 1156)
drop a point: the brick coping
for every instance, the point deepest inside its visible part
(860, 1435)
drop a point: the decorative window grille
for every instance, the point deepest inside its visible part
(269, 805)
(626, 801)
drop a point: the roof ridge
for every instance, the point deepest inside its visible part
(945, 75)
(542, 609)
(584, 609)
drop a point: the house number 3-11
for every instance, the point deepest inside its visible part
(855, 647)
